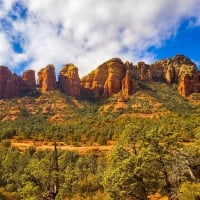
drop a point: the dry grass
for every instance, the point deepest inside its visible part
(25, 144)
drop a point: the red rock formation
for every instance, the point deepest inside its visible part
(170, 75)
(116, 73)
(189, 84)
(29, 77)
(109, 78)
(11, 85)
(47, 78)
(178, 69)
(142, 72)
(6, 83)
(129, 85)
(69, 80)
(171, 70)
(186, 85)
(94, 82)
(106, 80)
(197, 82)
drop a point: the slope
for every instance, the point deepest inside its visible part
(53, 115)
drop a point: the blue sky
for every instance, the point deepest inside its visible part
(186, 42)
(34, 33)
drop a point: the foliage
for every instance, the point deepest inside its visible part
(189, 191)
(33, 174)
(55, 115)
(157, 135)
(150, 160)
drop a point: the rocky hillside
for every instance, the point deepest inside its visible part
(109, 78)
(114, 76)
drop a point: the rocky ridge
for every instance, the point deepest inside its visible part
(111, 77)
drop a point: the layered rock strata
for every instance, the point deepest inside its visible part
(12, 85)
(47, 78)
(109, 78)
(29, 77)
(69, 80)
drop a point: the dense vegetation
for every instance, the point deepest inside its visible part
(157, 135)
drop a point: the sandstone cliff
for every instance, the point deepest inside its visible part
(183, 71)
(109, 78)
(129, 85)
(114, 76)
(29, 77)
(47, 78)
(6, 83)
(12, 85)
(189, 83)
(69, 80)
(166, 70)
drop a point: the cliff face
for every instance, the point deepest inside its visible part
(129, 85)
(12, 85)
(183, 71)
(94, 82)
(114, 76)
(189, 84)
(142, 71)
(47, 78)
(69, 80)
(109, 78)
(29, 77)
(7, 83)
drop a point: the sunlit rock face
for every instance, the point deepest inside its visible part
(109, 78)
(69, 80)
(47, 78)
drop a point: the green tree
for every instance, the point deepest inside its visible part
(42, 174)
(29, 192)
(128, 176)
(189, 191)
(149, 160)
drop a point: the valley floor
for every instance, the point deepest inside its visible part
(25, 144)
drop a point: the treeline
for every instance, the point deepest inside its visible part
(35, 175)
(93, 128)
(146, 160)
(91, 123)
(158, 154)
(153, 159)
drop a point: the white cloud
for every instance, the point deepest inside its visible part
(5, 6)
(88, 32)
(5, 49)
(7, 56)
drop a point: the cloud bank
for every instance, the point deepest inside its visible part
(87, 32)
